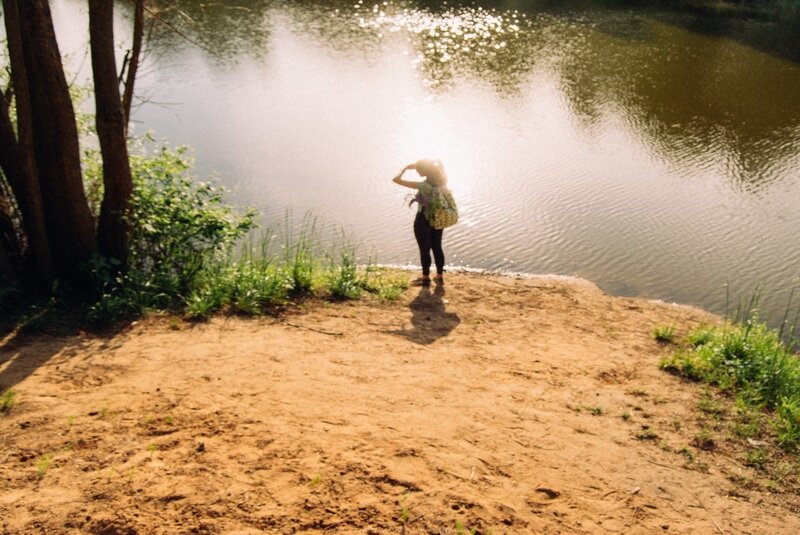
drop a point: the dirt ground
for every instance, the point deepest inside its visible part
(499, 405)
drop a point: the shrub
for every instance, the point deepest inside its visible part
(179, 226)
(178, 223)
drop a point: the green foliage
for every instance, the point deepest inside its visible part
(247, 287)
(178, 223)
(787, 423)
(188, 254)
(664, 333)
(7, 400)
(299, 254)
(43, 464)
(344, 281)
(386, 284)
(751, 361)
(179, 227)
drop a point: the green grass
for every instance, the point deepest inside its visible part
(751, 362)
(343, 280)
(43, 465)
(7, 401)
(261, 278)
(665, 334)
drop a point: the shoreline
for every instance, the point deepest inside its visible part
(546, 276)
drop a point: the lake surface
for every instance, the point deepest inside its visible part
(655, 153)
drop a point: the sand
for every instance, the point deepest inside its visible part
(499, 405)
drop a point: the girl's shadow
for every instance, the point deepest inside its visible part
(429, 319)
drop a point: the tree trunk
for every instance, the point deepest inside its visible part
(113, 231)
(133, 60)
(17, 157)
(70, 225)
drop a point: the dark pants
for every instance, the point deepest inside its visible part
(428, 238)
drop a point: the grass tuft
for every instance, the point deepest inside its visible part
(7, 401)
(665, 334)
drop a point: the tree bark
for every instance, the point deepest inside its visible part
(113, 230)
(70, 225)
(17, 156)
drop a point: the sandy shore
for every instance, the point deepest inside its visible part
(501, 405)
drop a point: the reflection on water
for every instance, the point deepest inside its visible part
(655, 152)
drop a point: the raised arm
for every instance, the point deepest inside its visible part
(399, 178)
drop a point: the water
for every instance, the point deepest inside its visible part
(655, 153)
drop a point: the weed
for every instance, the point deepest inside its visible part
(756, 458)
(700, 336)
(664, 334)
(315, 480)
(7, 401)
(787, 424)
(596, 411)
(747, 424)
(704, 440)
(710, 406)
(153, 447)
(626, 415)
(404, 513)
(42, 465)
(385, 284)
(343, 279)
(462, 529)
(638, 392)
(646, 433)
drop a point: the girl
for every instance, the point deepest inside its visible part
(428, 238)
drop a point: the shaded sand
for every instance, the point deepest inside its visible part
(496, 407)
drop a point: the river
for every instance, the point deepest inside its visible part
(655, 152)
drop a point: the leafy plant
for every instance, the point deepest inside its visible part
(179, 226)
(343, 279)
